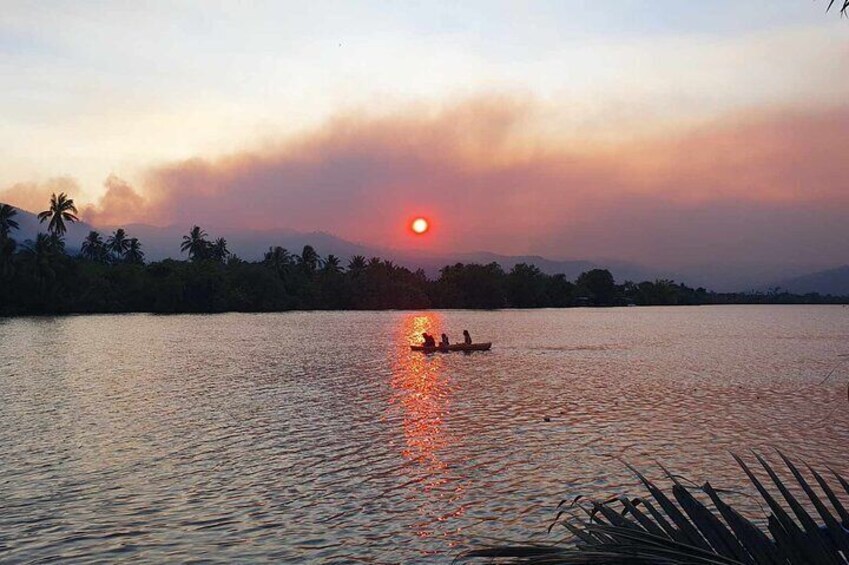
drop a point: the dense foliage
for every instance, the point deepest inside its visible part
(110, 275)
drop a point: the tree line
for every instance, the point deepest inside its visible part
(110, 274)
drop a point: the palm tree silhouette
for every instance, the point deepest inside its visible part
(357, 265)
(7, 224)
(61, 210)
(332, 264)
(92, 247)
(218, 250)
(42, 253)
(7, 244)
(844, 10)
(279, 259)
(134, 254)
(196, 244)
(7, 251)
(118, 243)
(309, 260)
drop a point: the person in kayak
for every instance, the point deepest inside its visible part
(466, 337)
(428, 340)
(444, 342)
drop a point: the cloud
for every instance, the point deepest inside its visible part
(35, 196)
(119, 202)
(490, 173)
(97, 91)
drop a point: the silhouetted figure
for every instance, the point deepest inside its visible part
(444, 341)
(429, 341)
(466, 337)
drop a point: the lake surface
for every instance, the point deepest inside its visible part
(319, 437)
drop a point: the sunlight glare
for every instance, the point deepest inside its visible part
(419, 226)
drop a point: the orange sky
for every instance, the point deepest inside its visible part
(654, 133)
(490, 187)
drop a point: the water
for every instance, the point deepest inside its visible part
(320, 437)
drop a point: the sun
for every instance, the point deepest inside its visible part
(419, 226)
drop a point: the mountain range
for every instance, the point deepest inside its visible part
(831, 281)
(164, 242)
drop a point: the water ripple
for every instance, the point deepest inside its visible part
(274, 438)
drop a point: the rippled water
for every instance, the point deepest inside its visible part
(320, 436)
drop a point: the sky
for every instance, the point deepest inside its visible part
(662, 132)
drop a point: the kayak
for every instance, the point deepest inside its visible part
(453, 347)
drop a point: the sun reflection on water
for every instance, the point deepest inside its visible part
(421, 399)
(421, 389)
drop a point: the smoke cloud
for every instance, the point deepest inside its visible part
(491, 174)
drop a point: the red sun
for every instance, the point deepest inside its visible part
(420, 226)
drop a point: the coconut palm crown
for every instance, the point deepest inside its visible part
(118, 243)
(844, 10)
(92, 247)
(195, 243)
(134, 253)
(7, 224)
(61, 210)
(309, 260)
(332, 264)
(218, 250)
(357, 265)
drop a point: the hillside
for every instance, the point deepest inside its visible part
(832, 281)
(164, 242)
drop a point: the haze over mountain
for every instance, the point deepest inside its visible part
(164, 242)
(703, 142)
(831, 281)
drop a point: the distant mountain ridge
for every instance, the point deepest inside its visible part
(431, 264)
(831, 281)
(29, 227)
(164, 242)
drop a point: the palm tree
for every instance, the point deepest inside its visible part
(134, 254)
(357, 265)
(7, 244)
(332, 265)
(61, 210)
(218, 250)
(42, 252)
(92, 247)
(844, 10)
(278, 258)
(309, 260)
(684, 528)
(7, 252)
(196, 244)
(118, 243)
(7, 224)
(56, 243)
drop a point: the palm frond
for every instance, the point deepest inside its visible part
(844, 10)
(695, 525)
